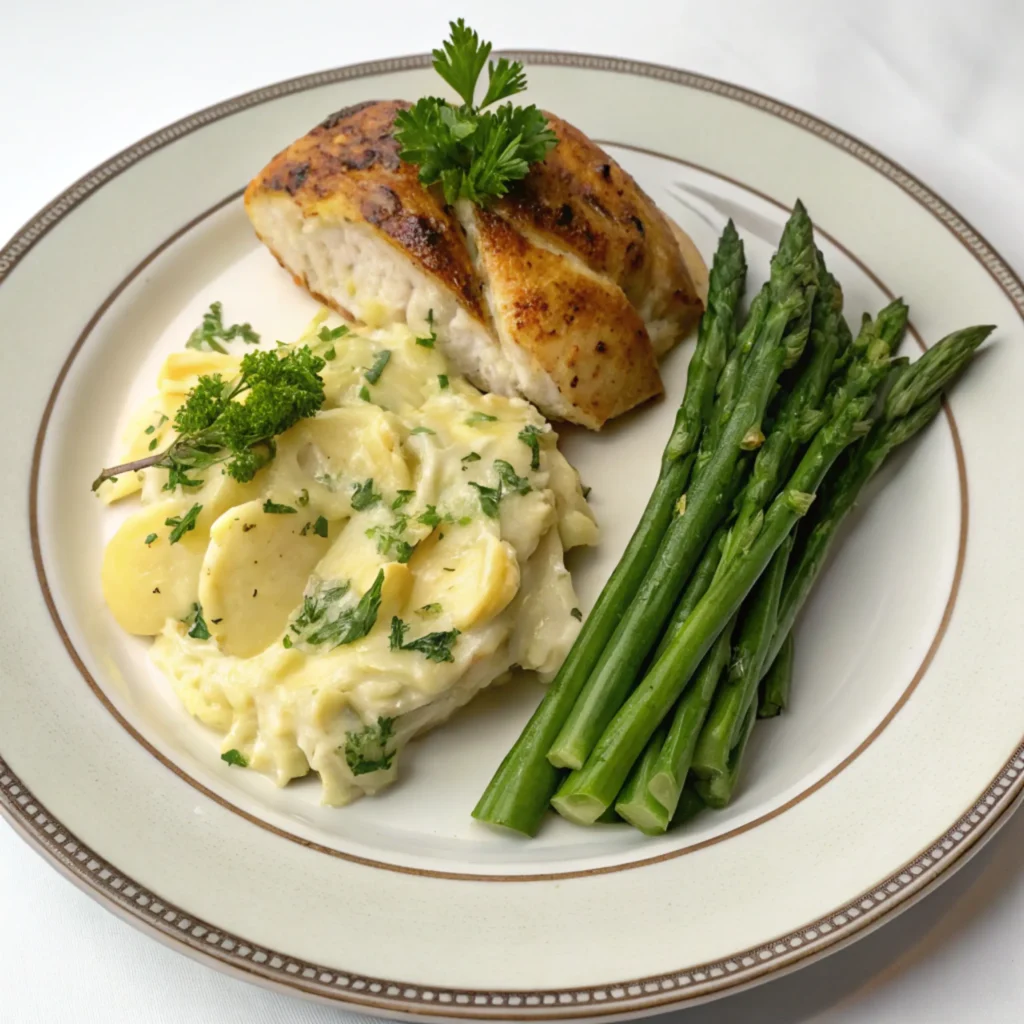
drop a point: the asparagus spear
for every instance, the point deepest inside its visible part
(799, 410)
(794, 271)
(586, 793)
(920, 389)
(795, 235)
(517, 796)
(717, 791)
(673, 764)
(777, 681)
(690, 805)
(696, 587)
(728, 713)
(636, 803)
(728, 380)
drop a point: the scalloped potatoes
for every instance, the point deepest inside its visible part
(403, 550)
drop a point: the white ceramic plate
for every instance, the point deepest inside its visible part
(902, 750)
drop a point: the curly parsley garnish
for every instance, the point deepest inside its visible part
(211, 332)
(216, 426)
(473, 153)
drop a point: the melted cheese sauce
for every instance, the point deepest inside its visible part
(444, 554)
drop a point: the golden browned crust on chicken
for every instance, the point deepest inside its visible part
(579, 327)
(579, 199)
(566, 291)
(347, 168)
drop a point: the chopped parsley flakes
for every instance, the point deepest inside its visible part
(197, 624)
(390, 540)
(233, 757)
(429, 341)
(182, 524)
(211, 332)
(323, 621)
(274, 509)
(366, 751)
(364, 496)
(530, 436)
(433, 646)
(372, 375)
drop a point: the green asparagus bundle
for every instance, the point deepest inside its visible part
(588, 792)
(517, 797)
(794, 274)
(861, 373)
(912, 404)
(913, 400)
(797, 418)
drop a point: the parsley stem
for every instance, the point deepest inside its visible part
(128, 467)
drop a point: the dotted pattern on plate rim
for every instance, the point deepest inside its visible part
(148, 908)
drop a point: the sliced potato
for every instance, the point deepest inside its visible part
(470, 573)
(181, 370)
(146, 584)
(354, 557)
(328, 455)
(253, 575)
(576, 524)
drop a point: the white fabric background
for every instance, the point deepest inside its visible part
(938, 86)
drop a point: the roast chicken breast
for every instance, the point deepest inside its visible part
(564, 292)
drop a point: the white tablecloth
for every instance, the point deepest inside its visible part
(938, 85)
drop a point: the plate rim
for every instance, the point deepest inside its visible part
(130, 900)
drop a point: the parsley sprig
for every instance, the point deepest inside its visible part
(474, 153)
(216, 426)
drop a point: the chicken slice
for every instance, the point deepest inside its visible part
(575, 340)
(578, 200)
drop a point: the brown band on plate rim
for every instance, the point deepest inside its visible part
(916, 877)
(469, 876)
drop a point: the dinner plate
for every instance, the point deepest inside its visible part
(901, 753)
